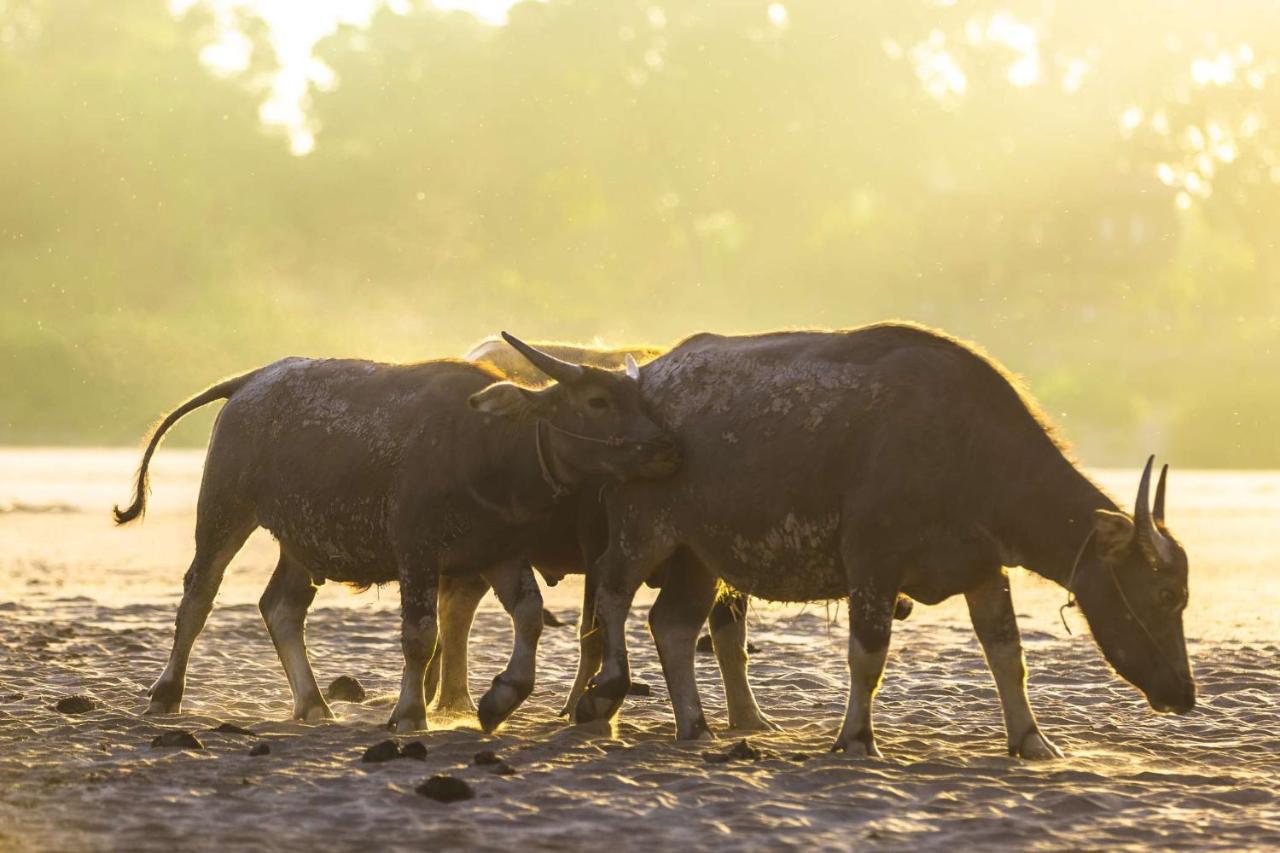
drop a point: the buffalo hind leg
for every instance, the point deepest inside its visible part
(870, 624)
(418, 597)
(991, 610)
(284, 608)
(728, 624)
(447, 676)
(517, 590)
(219, 535)
(674, 621)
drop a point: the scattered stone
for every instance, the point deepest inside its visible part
(77, 704)
(446, 789)
(260, 749)
(387, 750)
(502, 768)
(177, 739)
(637, 689)
(799, 756)
(417, 750)
(752, 648)
(551, 620)
(485, 757)
(344, 688)
(232, 729)
(740, 751)
(704, 644)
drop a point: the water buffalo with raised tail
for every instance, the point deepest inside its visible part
(867, 463)
(368, 473)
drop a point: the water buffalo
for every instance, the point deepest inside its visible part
(368, 473)
(865, 463)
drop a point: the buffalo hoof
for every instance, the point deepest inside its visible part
(858, 748)
(408, 719)
(313, 714)
(457, 706)
(500, 702)
(601, 701)
(164, 706)
(1035, 747)
(699, 730)
(758, 723)
(166, 698)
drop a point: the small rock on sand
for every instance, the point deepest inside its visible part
(178, 739)
(344, 688)
(485, 757)
(417, 750)
(77, 704)
(260, 749)
(446, 789)
(740, 751)
(231, 729)
(551, 620)
(638, 689)
(502, 768)
(387, 750)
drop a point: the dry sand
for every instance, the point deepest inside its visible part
(88, 609)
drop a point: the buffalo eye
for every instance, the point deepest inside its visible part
(1169, 598)
(598, 403)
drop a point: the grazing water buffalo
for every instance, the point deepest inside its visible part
(870, 462)
(368, 473)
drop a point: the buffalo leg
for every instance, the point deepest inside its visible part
(219, 535)
(991, 610)
(590, 643)
(459, 598)
(870, 624)
(675, 620)
(728, 623)
(517, 589)
(418, 597)
(284, 608)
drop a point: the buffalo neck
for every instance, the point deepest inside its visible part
(1048, 515)
(518, 485)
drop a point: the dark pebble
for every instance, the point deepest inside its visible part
(744, 751)
(551, 620)
(344, 688)
(417, 750)
(446, 789)
(387, 750)
(799, 756)
(232, 729)
(637, 689)
(704, 644)
(260, 749)
(752, 648)
(78, 704)
(502, 768)
(177, 739)
(486, 756)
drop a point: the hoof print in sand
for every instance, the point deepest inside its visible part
(486, 757)
(231, 729)
(344, 688)
(78, 704)
(176, 739)
(550, 620)
(446, 789)
(740, 751)
(638, 689)
(260, 749)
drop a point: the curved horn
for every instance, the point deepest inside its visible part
(633, 370)
(560, 371)
(1157, 511)
(1151, 540)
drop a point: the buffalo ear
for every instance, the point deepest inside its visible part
(1114, 531)
(506, 400)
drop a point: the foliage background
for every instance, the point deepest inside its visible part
(1087, 189)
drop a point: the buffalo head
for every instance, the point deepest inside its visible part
(590, 425)
(1132, 587)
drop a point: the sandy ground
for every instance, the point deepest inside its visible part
(85, 609)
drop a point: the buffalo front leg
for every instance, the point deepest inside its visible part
(418, 596)
(590, 643)
(620, 577)
(870, 624)
(991, 610)
(728, 623)
(284, 608)
(674, 621)
(449, 668)
(517, 590)
(217, 541)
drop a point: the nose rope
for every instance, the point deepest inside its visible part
(611, 441)
(1124, 599)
